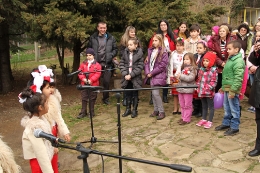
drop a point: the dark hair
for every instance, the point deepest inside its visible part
(195, 27)
(187, 34)
(169, 30)
(101, 22)
(33, 100)
(229, 27)
(203, 44)
(180, 41)
(243, 25)
(236, 44)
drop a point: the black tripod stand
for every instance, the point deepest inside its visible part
(86, 151)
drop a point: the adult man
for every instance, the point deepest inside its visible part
(105, 49)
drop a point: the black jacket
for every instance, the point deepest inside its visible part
(137, 67)
(255, 89)
(111, 47)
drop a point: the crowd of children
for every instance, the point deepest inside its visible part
(197, 68)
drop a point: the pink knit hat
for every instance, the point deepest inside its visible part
(215, 29)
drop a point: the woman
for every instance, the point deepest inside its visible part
(165, 30)
(245, 37)
(256, 29)
(254, 101)
(182, 31)
(218, 44)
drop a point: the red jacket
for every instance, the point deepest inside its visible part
(171, 43)
(214, 45)
(93, 76)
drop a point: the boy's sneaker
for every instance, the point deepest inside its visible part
(201, 122)
(208, 125)
(251, 109)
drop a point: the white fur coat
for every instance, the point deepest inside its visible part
(54, 113)
(7, 162)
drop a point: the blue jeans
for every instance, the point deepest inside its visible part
(251, 78)
(232, 111)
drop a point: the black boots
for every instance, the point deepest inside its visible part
(83, 112)
(197, 108)
(128, 111)
(135, 105)
(124, 99)
(128, 107)
(165, 99)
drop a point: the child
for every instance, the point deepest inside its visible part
(207, 81)
(131, 66)
(232, 77)
(129, 33)
(7, 162)
(44, 83)
(176, 61)
(190, 44)
(94, 68)
(155, 72)
(186, 78)
(201, 50)
(38, 150)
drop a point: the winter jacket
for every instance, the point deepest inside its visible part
(111, 47)
(254, 96)
(190, 45)
(137, 67)
(38, 148)
(196, 56)
(123, 47)
(93, 76)
(176, 34)
(175, 62)
(207, 81)
(187, 78)
(159, 72)
(7, 161)
(214, 45)
(171, 43)
(54, 114)
(233, 74)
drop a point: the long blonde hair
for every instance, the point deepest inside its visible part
(162, 46)
(125, 37)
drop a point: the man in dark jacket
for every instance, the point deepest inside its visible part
(105, 49)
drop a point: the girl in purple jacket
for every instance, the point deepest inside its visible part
(156, 73)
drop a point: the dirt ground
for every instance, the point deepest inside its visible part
(11, 113)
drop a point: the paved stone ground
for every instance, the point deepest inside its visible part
(205, 150)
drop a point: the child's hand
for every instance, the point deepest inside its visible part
(146, 60)
(127, 77)
(178, 75)
(56, 150)
(149, 75)
(89, 82)
(67, 137)
(223, 64)
(220, 91)
(231, 96)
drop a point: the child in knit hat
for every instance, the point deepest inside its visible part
(89, 75)
(207, 81)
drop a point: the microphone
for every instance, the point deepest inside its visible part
(94, 88)
(71, 74)
(38, 133)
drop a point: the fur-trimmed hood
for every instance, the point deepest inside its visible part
(42, 123)
(7, 162)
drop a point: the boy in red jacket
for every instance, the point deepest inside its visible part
(93, 68)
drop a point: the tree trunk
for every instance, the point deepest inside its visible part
(76, 60)
(5, 66)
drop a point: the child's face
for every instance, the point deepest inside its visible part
(156, 42)
(257, 35)
(163, 26)
(200, 49)
(213, 32)
(186, 60)
(131, 46)
(179, 48)
(194, 34)
(231, 50)
(182, 28)
(47, 91)
(222, 33)
(90, 57)
(132, 33)
(206, 62)
(52, 88)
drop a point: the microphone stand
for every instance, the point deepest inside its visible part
(86, 151)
